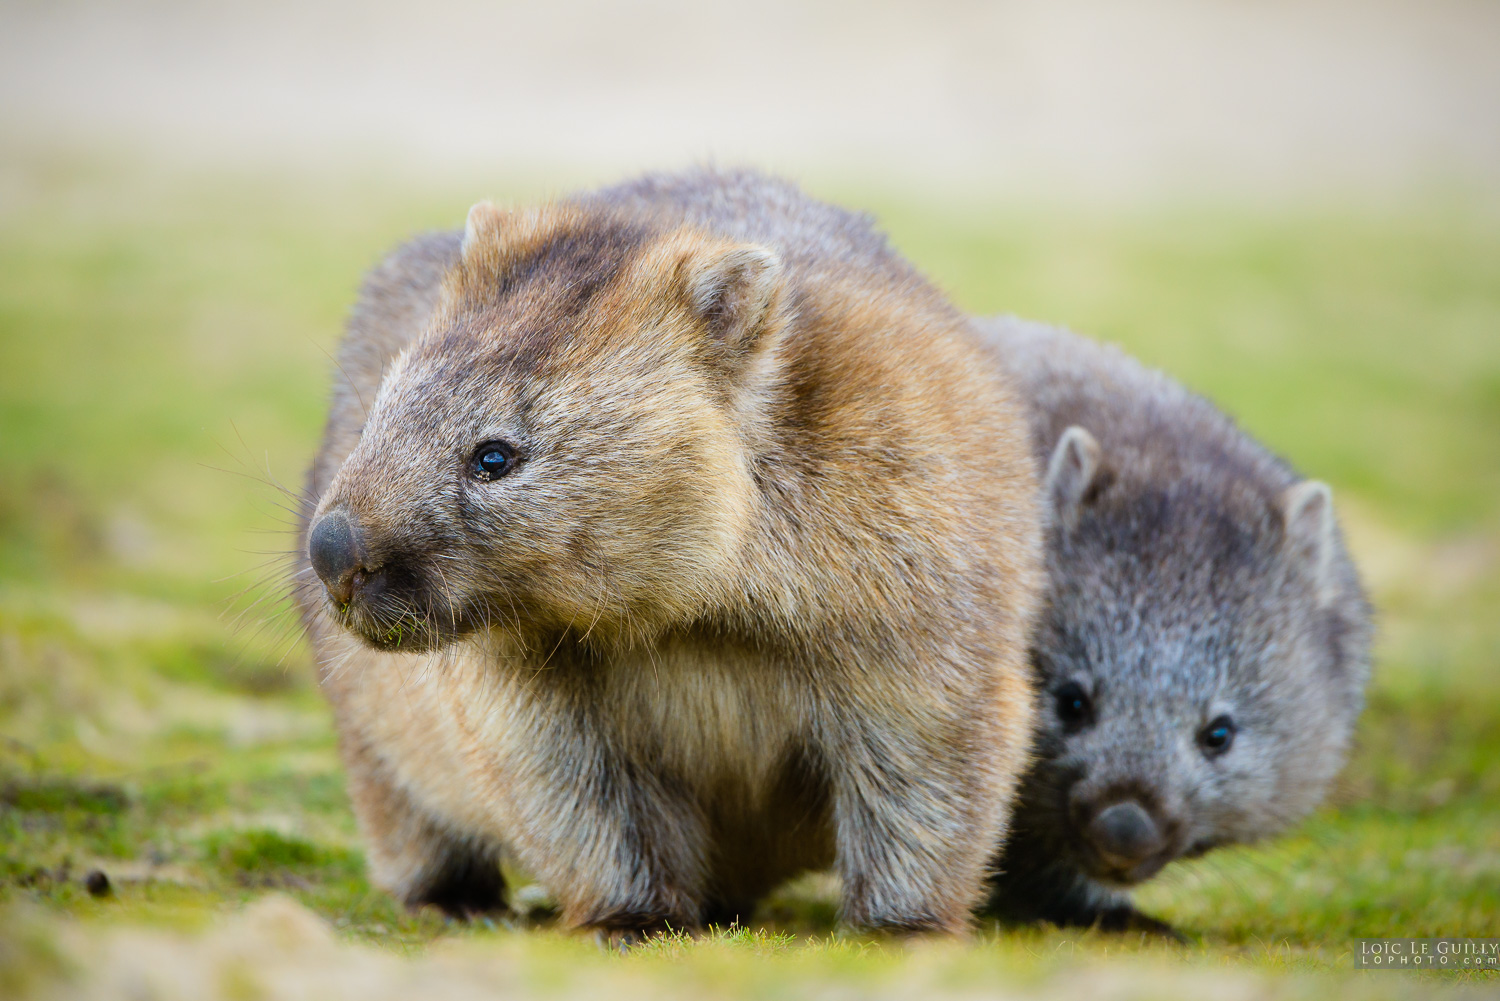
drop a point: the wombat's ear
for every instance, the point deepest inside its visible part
(484, 218)
(1307, 515)
(1071, 473)
(733, 291)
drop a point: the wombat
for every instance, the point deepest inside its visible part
(673, 539)
(1203, 645)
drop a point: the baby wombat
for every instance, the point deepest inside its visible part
(1202, 649)
(674, 538)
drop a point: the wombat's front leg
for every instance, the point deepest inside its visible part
(1125, 918)
(621, 851)
(1037, 886)
(413, 857)
(918, 815)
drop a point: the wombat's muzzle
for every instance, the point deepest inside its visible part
(1129, 840)
(337, 551)
(1124, 834)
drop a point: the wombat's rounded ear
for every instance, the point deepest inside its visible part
(733, 291)
(484, 218)
(1307, 515)
(1071, 473)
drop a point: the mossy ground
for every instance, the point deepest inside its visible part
(164, 346)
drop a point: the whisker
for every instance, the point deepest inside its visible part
(352, 385)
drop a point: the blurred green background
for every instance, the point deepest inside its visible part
(1291, 208)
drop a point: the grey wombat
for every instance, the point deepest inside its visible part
(1203, 646)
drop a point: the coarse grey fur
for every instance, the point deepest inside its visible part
(1192, 575)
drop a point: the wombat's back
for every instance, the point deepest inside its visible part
(1143, 419)
(812, 236)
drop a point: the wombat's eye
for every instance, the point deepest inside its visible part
(1073, 705)
(492, 460)
(1217, 736)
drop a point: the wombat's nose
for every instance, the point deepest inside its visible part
(1124, 834)
(336, 553)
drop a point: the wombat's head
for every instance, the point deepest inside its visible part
(1202, 657)
(566, 446)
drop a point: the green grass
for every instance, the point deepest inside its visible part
(163, 354)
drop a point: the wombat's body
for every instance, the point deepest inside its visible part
(675, 539)
(1202, 648)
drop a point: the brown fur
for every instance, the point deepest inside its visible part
(754, 601)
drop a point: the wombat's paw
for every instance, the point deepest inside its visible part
(624, 939)
(534, 905)
(463, 906)
(1126, 919)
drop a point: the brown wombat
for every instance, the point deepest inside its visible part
(1204, 641)
(673, 539)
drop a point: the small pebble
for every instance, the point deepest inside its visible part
(96, 883)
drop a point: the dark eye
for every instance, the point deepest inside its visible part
(492, 460)
(1217, 736)
(1073, 705)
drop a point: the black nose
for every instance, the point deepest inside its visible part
(1124, 834)
(336, 553)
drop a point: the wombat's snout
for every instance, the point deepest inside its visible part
(1128, 837)
(336, 548)
(1124, 835)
